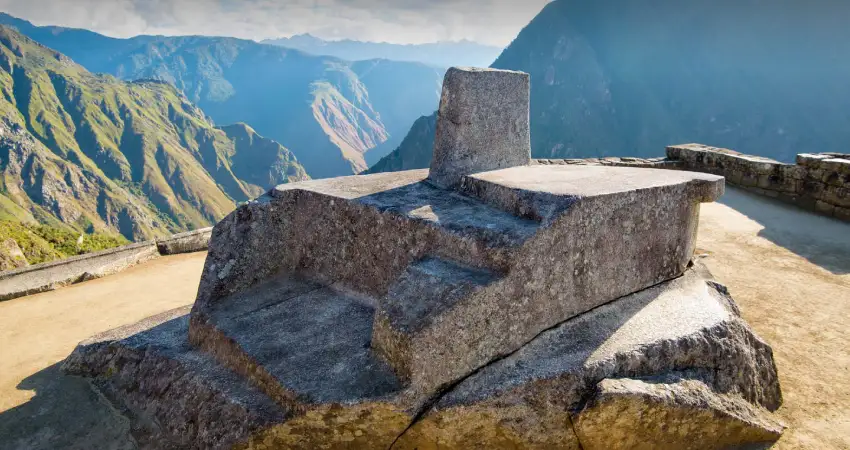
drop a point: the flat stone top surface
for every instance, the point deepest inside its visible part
(588, 181)
(355, 186)
(487, 69)
(313, 339)
(408, 194)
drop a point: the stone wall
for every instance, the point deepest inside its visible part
(188, 242)
(653, 163)
(55, 274)
(818, 182)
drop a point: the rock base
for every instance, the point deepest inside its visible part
(672, 366)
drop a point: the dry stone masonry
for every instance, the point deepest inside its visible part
(490, 303)
(52, 275)
(818, 182)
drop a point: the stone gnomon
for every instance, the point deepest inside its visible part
(486, 302)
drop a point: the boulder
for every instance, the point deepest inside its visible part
(11, 255)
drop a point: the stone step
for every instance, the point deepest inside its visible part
(307, 346)
(590, 216)
(175, 396)
(424, 291)
(301, 342)
(359, 231)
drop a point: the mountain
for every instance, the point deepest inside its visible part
(619, 77)
(93, 153)
(440, 54)
(331, 113)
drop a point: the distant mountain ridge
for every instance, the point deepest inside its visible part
(625, 78)
(330, 113)
(93, 153)
(439, 54)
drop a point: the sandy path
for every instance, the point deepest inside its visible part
(788, 270)
(39, 408)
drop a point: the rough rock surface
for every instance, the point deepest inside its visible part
(526, 398)
(188, 242)
(669, 412)
(175, 396)
(11, 255)
(365, 232)
(482, 123)
(384, 311)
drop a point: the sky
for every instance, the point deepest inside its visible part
(493, 22)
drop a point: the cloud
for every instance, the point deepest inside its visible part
(493, 22)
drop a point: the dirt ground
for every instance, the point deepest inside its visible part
(788, 270)
(39, 407)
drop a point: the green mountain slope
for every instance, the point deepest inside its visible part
(22, 244)
(331, 113)
(95, 153)
(618, 77)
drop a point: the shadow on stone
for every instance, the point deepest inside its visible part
(65, 413)
(821, 240)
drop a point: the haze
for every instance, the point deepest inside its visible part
(492, 22)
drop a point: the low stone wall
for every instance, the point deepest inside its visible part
(818, 182)
(55, 274)
(188, 242)
(654, 163)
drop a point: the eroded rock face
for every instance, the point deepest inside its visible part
(670, 412)
(656, 368)
(174, 396)
(530, 397)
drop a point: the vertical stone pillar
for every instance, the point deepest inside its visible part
(482, 124)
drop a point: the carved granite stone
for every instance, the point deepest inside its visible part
(482, 123)
(506, 306)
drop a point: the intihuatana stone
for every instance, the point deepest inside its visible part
(478, 305)
(482, 123)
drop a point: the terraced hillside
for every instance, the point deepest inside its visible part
(91, 152)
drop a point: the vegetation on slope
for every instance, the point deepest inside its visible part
(626, 78)
(96, 153)
(330, 113)
(22, 243)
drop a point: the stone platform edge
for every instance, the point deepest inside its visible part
(818, 182)
(54, 274)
